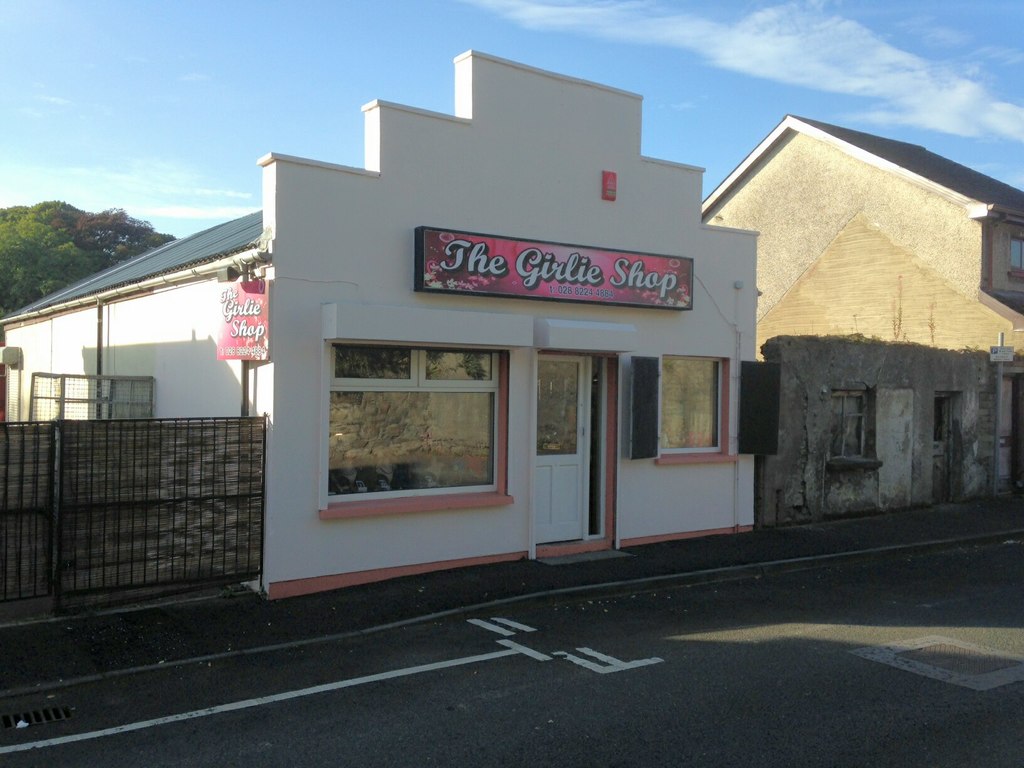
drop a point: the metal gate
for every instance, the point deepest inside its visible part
(137, 507)
(26, 510)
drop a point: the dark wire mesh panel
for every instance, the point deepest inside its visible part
(152, 504)
(74, 396)
(26, 510)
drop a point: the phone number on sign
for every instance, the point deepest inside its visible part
(257, 352)
(580, 290)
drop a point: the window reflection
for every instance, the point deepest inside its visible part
(557, 402)
(372, 363)
(689, 403)
(458, 366)
(393, 441)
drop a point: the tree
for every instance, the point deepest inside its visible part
(50, 245)
(36, 260)
(113, 232)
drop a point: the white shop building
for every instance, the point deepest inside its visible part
(508, 335)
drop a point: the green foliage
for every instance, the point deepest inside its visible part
(36, 260)
(52, 244)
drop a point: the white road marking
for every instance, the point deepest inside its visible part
(513, 650)
(524, 650)
(513, 624)
(608, 664)
(491, 627)
(611, 664)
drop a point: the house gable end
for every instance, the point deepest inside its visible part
(975, 192)
(866, 284)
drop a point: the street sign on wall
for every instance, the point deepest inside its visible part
(1000, 354)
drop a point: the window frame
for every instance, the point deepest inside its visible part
(1018, 265)
(721, 410)
(861, 416)
(417, 381)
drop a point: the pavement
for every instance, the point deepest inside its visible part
(47, 653)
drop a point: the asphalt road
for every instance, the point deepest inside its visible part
(901, 662)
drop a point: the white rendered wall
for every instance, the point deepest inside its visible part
(659, 499)
(62, 344)
(524, 159)
(172, 335)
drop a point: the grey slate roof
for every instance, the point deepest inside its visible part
(918, 160)
(209, 245)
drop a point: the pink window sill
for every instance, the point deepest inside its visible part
(339, 510)
(670, 459)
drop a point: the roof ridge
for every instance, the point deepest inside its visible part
(921, 161)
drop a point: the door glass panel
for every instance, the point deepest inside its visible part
(557, 399)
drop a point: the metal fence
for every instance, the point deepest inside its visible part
(80, 396)
(26, 510)
(138, 507)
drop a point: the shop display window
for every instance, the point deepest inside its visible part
(405, 420)
(690, 403)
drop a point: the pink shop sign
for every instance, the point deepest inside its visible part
(245, 316)
(448, 261)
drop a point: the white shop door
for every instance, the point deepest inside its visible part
(560, 479)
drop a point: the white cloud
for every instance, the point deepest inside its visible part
(222, 193)
(219, 213)
(55, 100)
(796, 43)
(926, 29)
(1000, 55)
(143, 188)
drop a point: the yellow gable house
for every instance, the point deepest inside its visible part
(860, 234)
(864, 235)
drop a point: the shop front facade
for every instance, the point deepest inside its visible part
(507, 336)
(462, 317)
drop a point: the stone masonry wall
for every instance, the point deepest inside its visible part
(905, 463)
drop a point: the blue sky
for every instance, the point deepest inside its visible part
(163, 108)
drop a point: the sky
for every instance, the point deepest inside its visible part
(163, 108)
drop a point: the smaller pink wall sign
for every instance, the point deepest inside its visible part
(245, 314)
(449, 261)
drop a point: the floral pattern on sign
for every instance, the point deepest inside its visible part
(244, 334)
(485, 265)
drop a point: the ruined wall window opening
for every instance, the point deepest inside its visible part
(852, 431)
(409, 421)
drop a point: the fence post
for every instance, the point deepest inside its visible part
(56, 522)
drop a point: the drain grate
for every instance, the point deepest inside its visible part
(951, 661)
(35, 717)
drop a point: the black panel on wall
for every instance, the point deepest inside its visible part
(643, 437)
(760, 387)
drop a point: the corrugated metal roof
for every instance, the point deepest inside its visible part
(918, 160)
(208, 245)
